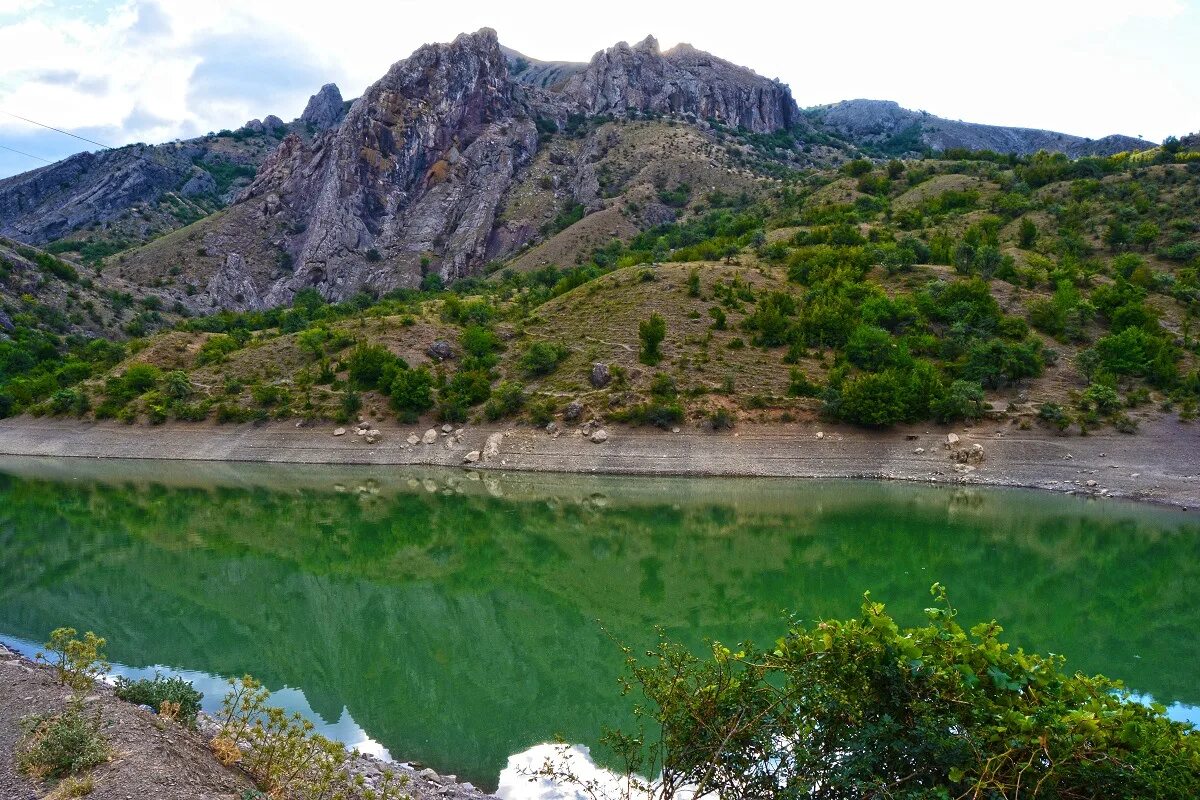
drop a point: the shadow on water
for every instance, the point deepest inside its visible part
(456, 618)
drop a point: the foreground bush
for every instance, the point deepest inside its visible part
(282, 753)
(865, 709)
(172, 697)
(57, 745)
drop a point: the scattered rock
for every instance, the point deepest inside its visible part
(447, 428)
(440, 350)
(471, 457)
(339, 431)
(551, 427)
(820, 434)
(373, 436)
(573, 411)
(600, 436)
(952, 439)
(919, 450)
(413, 439)
(601, 376)
(1090, 483)
(430, 436)
(491, 448)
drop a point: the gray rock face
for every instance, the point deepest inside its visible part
(682, 80)
(6, 324)
(324, 109)
(417, 170)
(884, 122)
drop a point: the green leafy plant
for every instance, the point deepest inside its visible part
(57, 745)
(865, 708)
(78, 662)
(183, 698)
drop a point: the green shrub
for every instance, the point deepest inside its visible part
(412, 393)
(507, 399)
(542, 358)
(54, 746)
(863, 708)
(371, 366)
(651, 331)
(154, 692)
(77, 662)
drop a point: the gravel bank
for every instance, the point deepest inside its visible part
(1160, 464)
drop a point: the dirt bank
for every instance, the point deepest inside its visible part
(153, 758)
(1160, 464)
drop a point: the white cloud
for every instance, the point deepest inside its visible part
(150, 71)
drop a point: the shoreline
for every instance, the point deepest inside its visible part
(1158, 465)
(148, 752)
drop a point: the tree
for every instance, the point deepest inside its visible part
(652, 332)
(870, 348)
(371, 366)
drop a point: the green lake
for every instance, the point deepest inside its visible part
(458, 619)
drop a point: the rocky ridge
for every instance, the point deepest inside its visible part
(884, 123)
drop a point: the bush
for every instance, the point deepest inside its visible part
(542, 358)
(507, 399)
(873, 399)
(53, 746)
(183, 698)
(77, 662)
(371, 366)
(412, 393)
(281, 753)
(651, 332)
(844, 710)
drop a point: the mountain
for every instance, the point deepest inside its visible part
(465, 154)
(114, 199)
(885, 126)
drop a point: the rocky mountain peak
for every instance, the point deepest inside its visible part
(683, 80)
(324, 109)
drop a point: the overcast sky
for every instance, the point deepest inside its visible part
(154, 70)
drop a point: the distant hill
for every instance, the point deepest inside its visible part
(884, 126)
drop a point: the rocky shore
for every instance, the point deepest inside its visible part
(154, 758)
(1159, 464)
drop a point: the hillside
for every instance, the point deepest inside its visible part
(1041, 291)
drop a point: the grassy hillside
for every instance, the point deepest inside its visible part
(1045, 290)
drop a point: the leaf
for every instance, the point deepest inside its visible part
(957, 774)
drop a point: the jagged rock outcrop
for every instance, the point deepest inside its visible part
(683, 80)
(410, 181)
(885, 123)
(324, 109)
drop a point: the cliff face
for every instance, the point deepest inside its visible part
(415, 173)
(682, 80)
(885, 123)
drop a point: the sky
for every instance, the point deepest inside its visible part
(121, 71)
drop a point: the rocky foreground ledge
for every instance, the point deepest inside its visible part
(1159, 464)
(153, 758)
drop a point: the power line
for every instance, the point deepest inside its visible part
(23, 153)
(60, 130)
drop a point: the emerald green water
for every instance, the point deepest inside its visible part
(457, 621)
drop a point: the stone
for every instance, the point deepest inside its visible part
(447, 429)
(952, 439)
(373, 435)
(491, 447)
(324, 109)
(360, 431)
(600, 436)
(339, 431)
(919, 450)
(573, 411)
(601, 376)
(1091, 483)
(471, 457)
(551, 428)
(413, 439)
(820, 434)
(440, 350)
(430, 436)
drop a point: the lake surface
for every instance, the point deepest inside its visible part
(457, 620)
